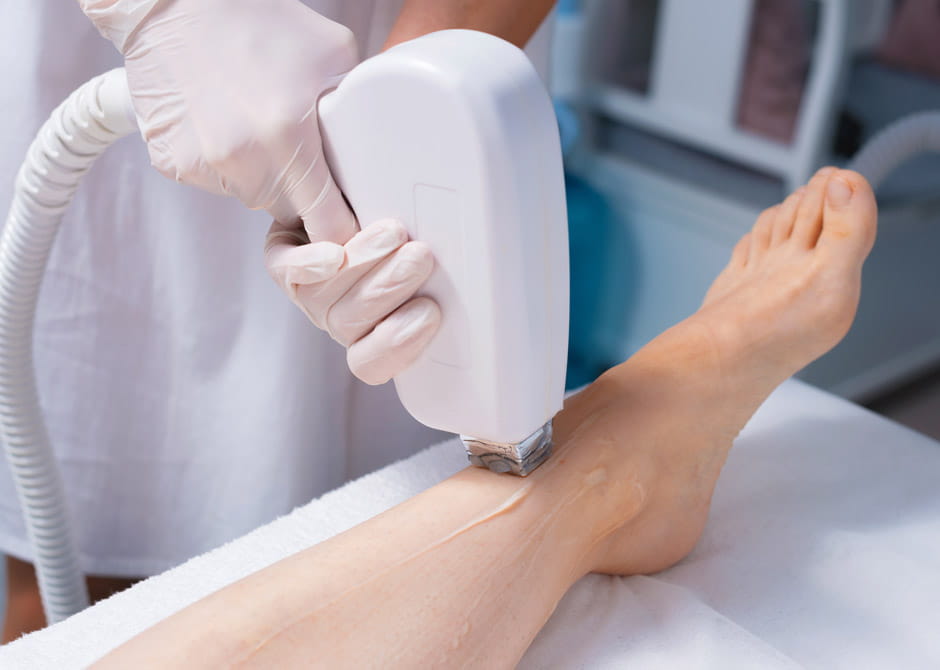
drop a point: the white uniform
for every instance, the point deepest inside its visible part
(187, 399)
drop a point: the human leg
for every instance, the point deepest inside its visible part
(788, 295)
(467, 572)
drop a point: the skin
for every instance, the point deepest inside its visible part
(466, 573)
(515, 22)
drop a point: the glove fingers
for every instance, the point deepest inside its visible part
(309, 264)
(396, 342)
(291, 234)
(290, 259)
(363, 252)
(383, 290)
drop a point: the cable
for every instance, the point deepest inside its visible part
(78, 131)
(898, 142)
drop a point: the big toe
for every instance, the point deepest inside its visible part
(850, 217)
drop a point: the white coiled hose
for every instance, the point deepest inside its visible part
(915, 134)
(79, 130)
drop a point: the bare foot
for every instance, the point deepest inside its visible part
(671, 412)
(791, 290)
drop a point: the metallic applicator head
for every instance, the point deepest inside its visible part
(518, 458)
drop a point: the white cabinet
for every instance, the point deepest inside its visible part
(686, 184)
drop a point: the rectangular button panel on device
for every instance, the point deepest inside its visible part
(438, 224)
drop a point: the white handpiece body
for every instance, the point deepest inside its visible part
(454, 134)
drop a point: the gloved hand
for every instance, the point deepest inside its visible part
(226, 97)
(225, 93)
(360, 293)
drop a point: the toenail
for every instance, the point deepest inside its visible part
(839, 192)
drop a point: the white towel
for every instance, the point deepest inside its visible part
(823, 549)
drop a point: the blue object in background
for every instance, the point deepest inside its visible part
(589, 218)
(589, 230)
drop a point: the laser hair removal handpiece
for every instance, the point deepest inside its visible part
(454, 134)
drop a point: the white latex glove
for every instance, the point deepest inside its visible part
(225, 93)
(226, 97)
(360, 293)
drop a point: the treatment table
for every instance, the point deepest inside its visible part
(822, 550)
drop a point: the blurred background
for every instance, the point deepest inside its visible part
(683, 119)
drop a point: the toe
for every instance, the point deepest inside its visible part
(786, 216)
(741, 252)
(850, 216)
(761, 232)
(808, 221)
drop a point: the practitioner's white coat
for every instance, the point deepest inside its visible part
(168, 362)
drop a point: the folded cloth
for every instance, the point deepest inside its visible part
(821, 550)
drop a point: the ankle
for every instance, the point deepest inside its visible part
(592, 493)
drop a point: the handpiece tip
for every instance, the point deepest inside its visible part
(518, 458)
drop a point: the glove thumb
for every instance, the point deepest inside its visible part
(316, 200)
(329, 218)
